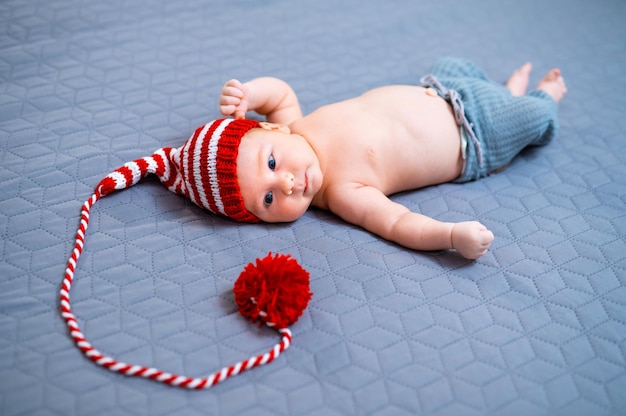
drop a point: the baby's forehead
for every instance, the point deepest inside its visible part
(257, 132)
(257, 136)
(249, 146)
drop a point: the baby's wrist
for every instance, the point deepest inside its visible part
(451, 232)
(249, 92)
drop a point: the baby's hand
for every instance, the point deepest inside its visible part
(471, 239)
(234, 99)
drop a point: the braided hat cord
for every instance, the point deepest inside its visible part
(136, 370)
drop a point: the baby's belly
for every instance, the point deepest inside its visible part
(429, 147)
(395, 138)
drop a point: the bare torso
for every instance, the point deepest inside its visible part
(392, 138)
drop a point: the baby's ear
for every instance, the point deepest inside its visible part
(275, 127)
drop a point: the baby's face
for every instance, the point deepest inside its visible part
(279, 174)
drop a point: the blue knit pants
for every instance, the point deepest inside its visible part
(502, 124)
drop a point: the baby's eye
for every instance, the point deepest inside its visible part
(271, 162)
(269, 198)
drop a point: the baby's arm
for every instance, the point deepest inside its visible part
(270, 97)
(368, 207)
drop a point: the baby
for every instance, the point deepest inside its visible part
(350, 156)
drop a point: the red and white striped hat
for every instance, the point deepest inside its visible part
(204, 169)
(274, 291)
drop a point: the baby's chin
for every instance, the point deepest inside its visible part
(278, 219)
(281, 220)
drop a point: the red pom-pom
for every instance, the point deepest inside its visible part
(274, 291)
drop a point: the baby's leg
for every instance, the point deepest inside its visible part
(517, 122)
(504, 124)
(457, 67)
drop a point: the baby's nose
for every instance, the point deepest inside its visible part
(287, 183)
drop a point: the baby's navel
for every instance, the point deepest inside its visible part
(431, 92)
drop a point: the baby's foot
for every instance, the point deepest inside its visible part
(518, 82)
(553, 84)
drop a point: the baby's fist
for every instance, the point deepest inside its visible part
(471, 239)
(233, 99)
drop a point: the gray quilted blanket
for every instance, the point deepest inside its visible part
(535, 327)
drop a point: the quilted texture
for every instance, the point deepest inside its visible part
(536, 326)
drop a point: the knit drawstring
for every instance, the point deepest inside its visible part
(453, 97)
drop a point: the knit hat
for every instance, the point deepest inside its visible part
(204, 169)
(274, 291)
